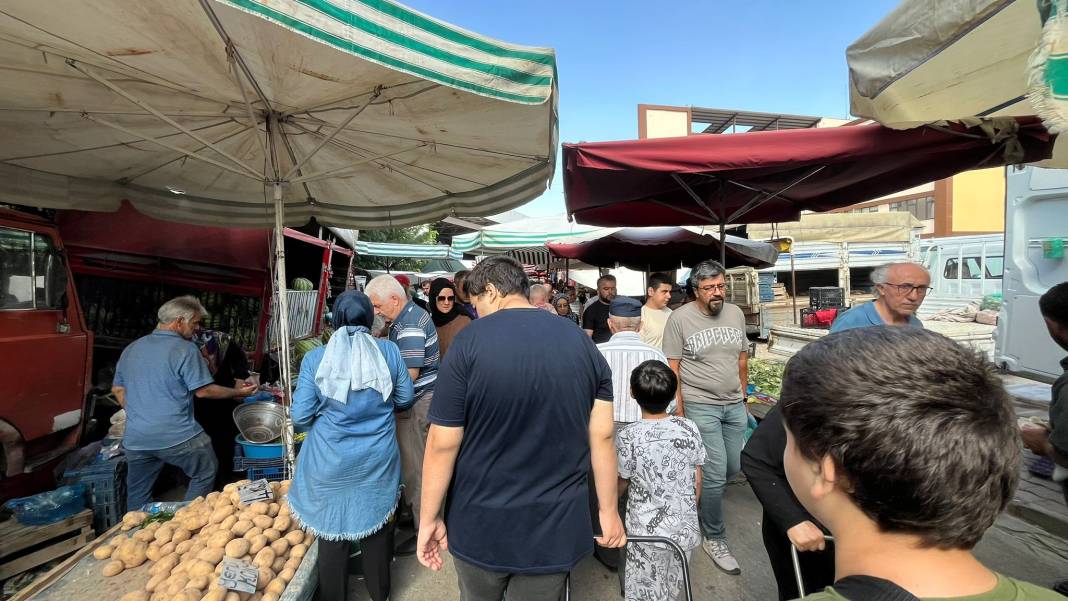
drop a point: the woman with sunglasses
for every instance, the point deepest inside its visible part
(445, 310)
(562, 304)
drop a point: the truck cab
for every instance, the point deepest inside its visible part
(45, 345)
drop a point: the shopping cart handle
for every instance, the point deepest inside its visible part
(797, 565)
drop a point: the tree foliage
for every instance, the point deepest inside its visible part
(417, 234)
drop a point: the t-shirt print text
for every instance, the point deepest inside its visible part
(721, 336)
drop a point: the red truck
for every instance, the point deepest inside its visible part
(70, 304)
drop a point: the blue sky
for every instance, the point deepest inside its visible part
(759, 55)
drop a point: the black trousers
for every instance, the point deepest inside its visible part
(376, 552)
(817, 567)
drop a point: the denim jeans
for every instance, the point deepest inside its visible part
(195, 457)
(722, 429)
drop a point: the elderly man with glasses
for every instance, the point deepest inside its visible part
(900, 289)
(706, 347)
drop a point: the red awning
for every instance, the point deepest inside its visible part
(768, 177)
(662, 249)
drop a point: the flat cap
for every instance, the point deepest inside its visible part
(625, 306)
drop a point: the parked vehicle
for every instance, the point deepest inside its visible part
(1036, 231)
(963, 269)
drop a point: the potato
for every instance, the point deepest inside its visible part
(201, 568)
(228, 523)
(186, 595)
(220, 514)
(273, 509)
(198, 582)
(215, 595)
(253, 533)
(127, 527)
(258, 543)
(292, 563)
(280, 546)
(181, 534)
(164, 534)
(279, 564)
(134, 556)
(164, 565)
(262, 521)
(167, 549)
(245, 515)
(309, 538)
(113, 568)
(295, 538)
(194, 522)
(232, 596)
(213, 496)
(282, 523)
(287, 574)
(269, 597)
(195, 550)
(298, 550)
(103, 551)
(277, 586)
(212, 555)
(284, 509)
(154, 582)
(176, 583)
(145, 535)
(256, 597)
(219, 569)
(272, 535)
(184, 546)
(152, 552)
(265, 558)
(235, 499)
(266, 575)
(240, 527)
(134, 517)
(135, 596)
(237, 548)
(219, 538)
(259, 508)
(153, 526)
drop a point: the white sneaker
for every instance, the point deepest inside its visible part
(721, 556)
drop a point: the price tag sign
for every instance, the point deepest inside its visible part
(238, 576)
(260, 490)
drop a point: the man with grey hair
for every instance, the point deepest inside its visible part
(706, 347)
(900, 289)
(412, 329)
(156, 379)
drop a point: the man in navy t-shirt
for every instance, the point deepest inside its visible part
(522, 407)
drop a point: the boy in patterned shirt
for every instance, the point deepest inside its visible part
(660, 459)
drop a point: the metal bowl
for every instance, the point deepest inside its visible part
(260, 422)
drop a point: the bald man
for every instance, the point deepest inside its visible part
(900, 289)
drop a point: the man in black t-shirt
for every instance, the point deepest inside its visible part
(595, 318)
(517, 513)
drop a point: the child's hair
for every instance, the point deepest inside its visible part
(653, 385)
(920, 428)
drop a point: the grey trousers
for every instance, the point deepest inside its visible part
(477, 584)
(412, 429)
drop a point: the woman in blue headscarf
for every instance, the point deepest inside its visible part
(347, 481)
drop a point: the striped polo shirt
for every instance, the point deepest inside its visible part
(415, 334)
(625, 351)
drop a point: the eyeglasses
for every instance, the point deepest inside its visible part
(446, 299)
(906, 289)
(713, 288)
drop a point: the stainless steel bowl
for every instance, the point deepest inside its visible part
(260, 422)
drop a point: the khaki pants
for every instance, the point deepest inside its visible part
(412, 429)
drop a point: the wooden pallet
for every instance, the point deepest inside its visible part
(26, 547)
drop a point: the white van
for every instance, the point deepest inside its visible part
(1036, 228)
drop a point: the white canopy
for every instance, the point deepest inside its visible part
(361, 114)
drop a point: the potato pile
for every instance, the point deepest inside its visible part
(187, 551)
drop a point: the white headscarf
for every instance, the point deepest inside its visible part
(352, 361)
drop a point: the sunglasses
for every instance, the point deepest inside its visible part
(446, 299)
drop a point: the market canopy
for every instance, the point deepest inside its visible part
(928, 62)
(411, 251)
(528, 234)
(662, 249)
(359, 114)
(767, 177)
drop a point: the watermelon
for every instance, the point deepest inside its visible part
(303, 284)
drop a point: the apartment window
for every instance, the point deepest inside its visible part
(921, 208)
(871, 209)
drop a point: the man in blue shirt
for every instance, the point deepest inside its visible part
(521, 411)
(412, 329)
(900, 290)
(155, 381)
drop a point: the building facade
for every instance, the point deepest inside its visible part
(966, 204)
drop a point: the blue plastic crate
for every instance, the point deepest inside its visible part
(271, 469)
(106, 485)
(767, 279)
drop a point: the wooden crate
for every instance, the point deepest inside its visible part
(26, 547)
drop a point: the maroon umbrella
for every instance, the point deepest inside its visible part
(768, 177)
(662, 249)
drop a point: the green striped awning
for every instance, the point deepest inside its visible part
(403, 39)
(522, 234)
(409, 251)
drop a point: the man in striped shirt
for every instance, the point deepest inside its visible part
(412, 330)
(624, 351)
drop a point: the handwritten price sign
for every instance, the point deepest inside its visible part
(260, 490)
(238, 576)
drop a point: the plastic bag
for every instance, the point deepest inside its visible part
(49, 507)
